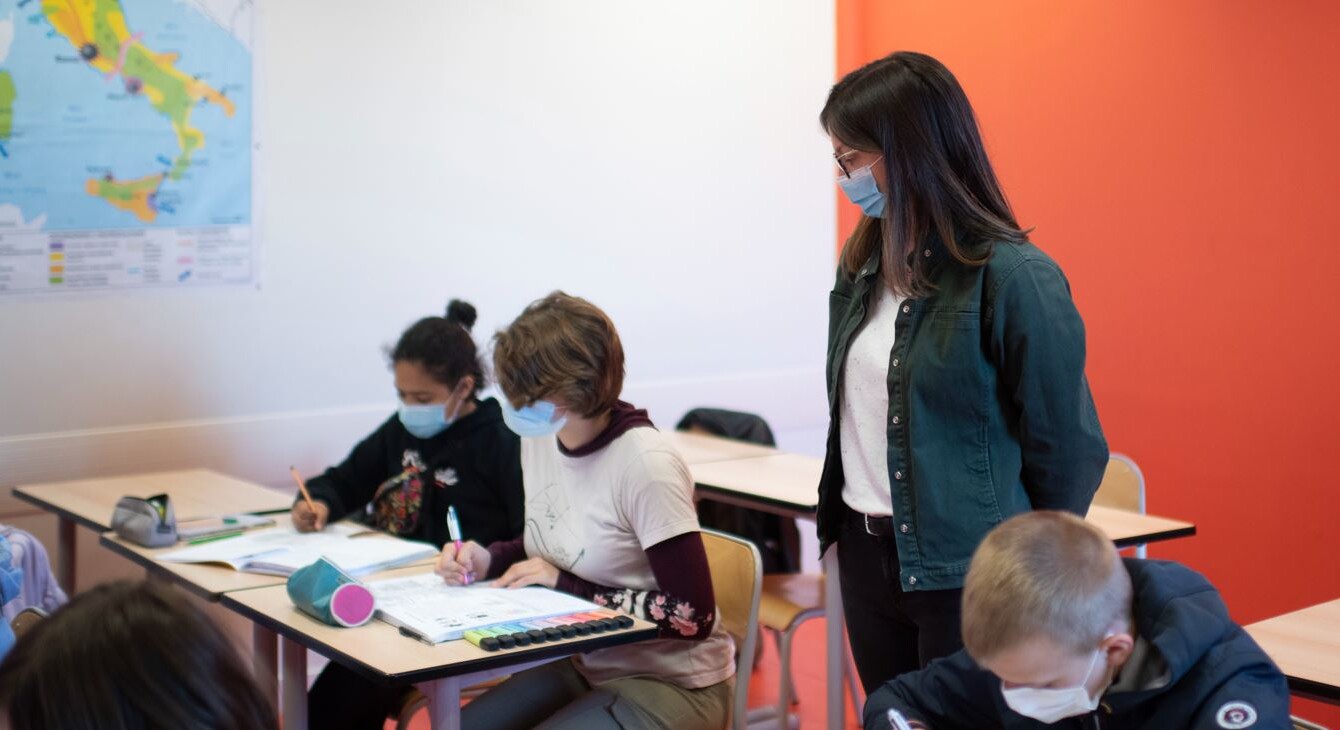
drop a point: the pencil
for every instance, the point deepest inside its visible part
(302, 487)
(212, 538)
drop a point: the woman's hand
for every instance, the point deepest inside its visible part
(310, 519)
(529, 572)
(461, 568)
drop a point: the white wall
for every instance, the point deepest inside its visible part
(663, 160)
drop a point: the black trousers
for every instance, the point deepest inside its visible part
(343, 700)
(892, 631)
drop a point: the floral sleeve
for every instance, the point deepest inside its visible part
(684, 606)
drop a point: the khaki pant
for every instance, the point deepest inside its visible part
(556, 697)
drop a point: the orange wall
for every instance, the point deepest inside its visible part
(1181, 161)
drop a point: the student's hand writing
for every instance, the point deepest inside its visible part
(307, 520)
(464, 567)
(529, 572)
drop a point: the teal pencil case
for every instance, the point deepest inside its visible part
(328, 594)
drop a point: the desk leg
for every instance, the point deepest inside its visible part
(444, 703)
(67, 553)
(836, 640)
(294, 658)
(265, 662)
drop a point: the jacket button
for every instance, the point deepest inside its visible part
(895, 362)
(898, 475)
(907, 308)
(912, 580)
(927, 252)
(896, 421)
(903, 528)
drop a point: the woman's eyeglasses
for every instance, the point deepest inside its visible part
(839, 159)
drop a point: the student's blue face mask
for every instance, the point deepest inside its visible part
(861, 189)
(428, 420)
(424, 421)
(532, 421)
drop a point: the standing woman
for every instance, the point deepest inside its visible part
(956, 386)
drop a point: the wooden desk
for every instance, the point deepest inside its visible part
(1306, 646)
(785, 484)
(212, 582)
(697, 448)
(788, 484)
(1132, 528)
(194, 493)
(208, 581)
(377, 651)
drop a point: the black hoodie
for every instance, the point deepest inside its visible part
(475, 464)
(1202, 671)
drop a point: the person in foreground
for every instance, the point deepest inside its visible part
(1060, 631)
(609, 518)
(129, 656)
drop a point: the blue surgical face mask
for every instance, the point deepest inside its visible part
(534, 420)
(425, 421)
(428, 420)
(862, 190)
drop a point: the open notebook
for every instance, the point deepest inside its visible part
(435, 612)
(282, 550)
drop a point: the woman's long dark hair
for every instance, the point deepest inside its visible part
(941, 190)
(130, 656)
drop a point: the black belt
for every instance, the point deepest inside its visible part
(873, 525)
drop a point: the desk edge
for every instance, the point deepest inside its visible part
(1313, 689)
(1168, 534)
(497, 660)
(159, 571)
(766, 504)
(62, 513)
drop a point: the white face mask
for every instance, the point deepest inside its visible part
(1051, 705)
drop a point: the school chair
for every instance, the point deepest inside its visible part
(1123, 487)
(1301, 724)
(777, 537)
(789, 601)
(737, 581)
(27, 619)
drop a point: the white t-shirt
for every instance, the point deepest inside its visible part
(864, 408)
(594, 516)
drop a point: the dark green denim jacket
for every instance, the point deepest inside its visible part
(990, 414)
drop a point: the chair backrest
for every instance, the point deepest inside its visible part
(737, 581)
(1123, 485)
(25, 620)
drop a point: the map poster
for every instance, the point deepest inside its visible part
(125, 145)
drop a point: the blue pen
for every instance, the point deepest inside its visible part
(454, 532)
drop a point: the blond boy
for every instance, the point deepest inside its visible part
(1060, 631)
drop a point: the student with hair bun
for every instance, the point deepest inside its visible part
(444, 447)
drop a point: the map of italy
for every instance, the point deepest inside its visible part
(97, 29)
(117, 114)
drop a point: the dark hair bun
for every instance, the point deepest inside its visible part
(462, 313)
